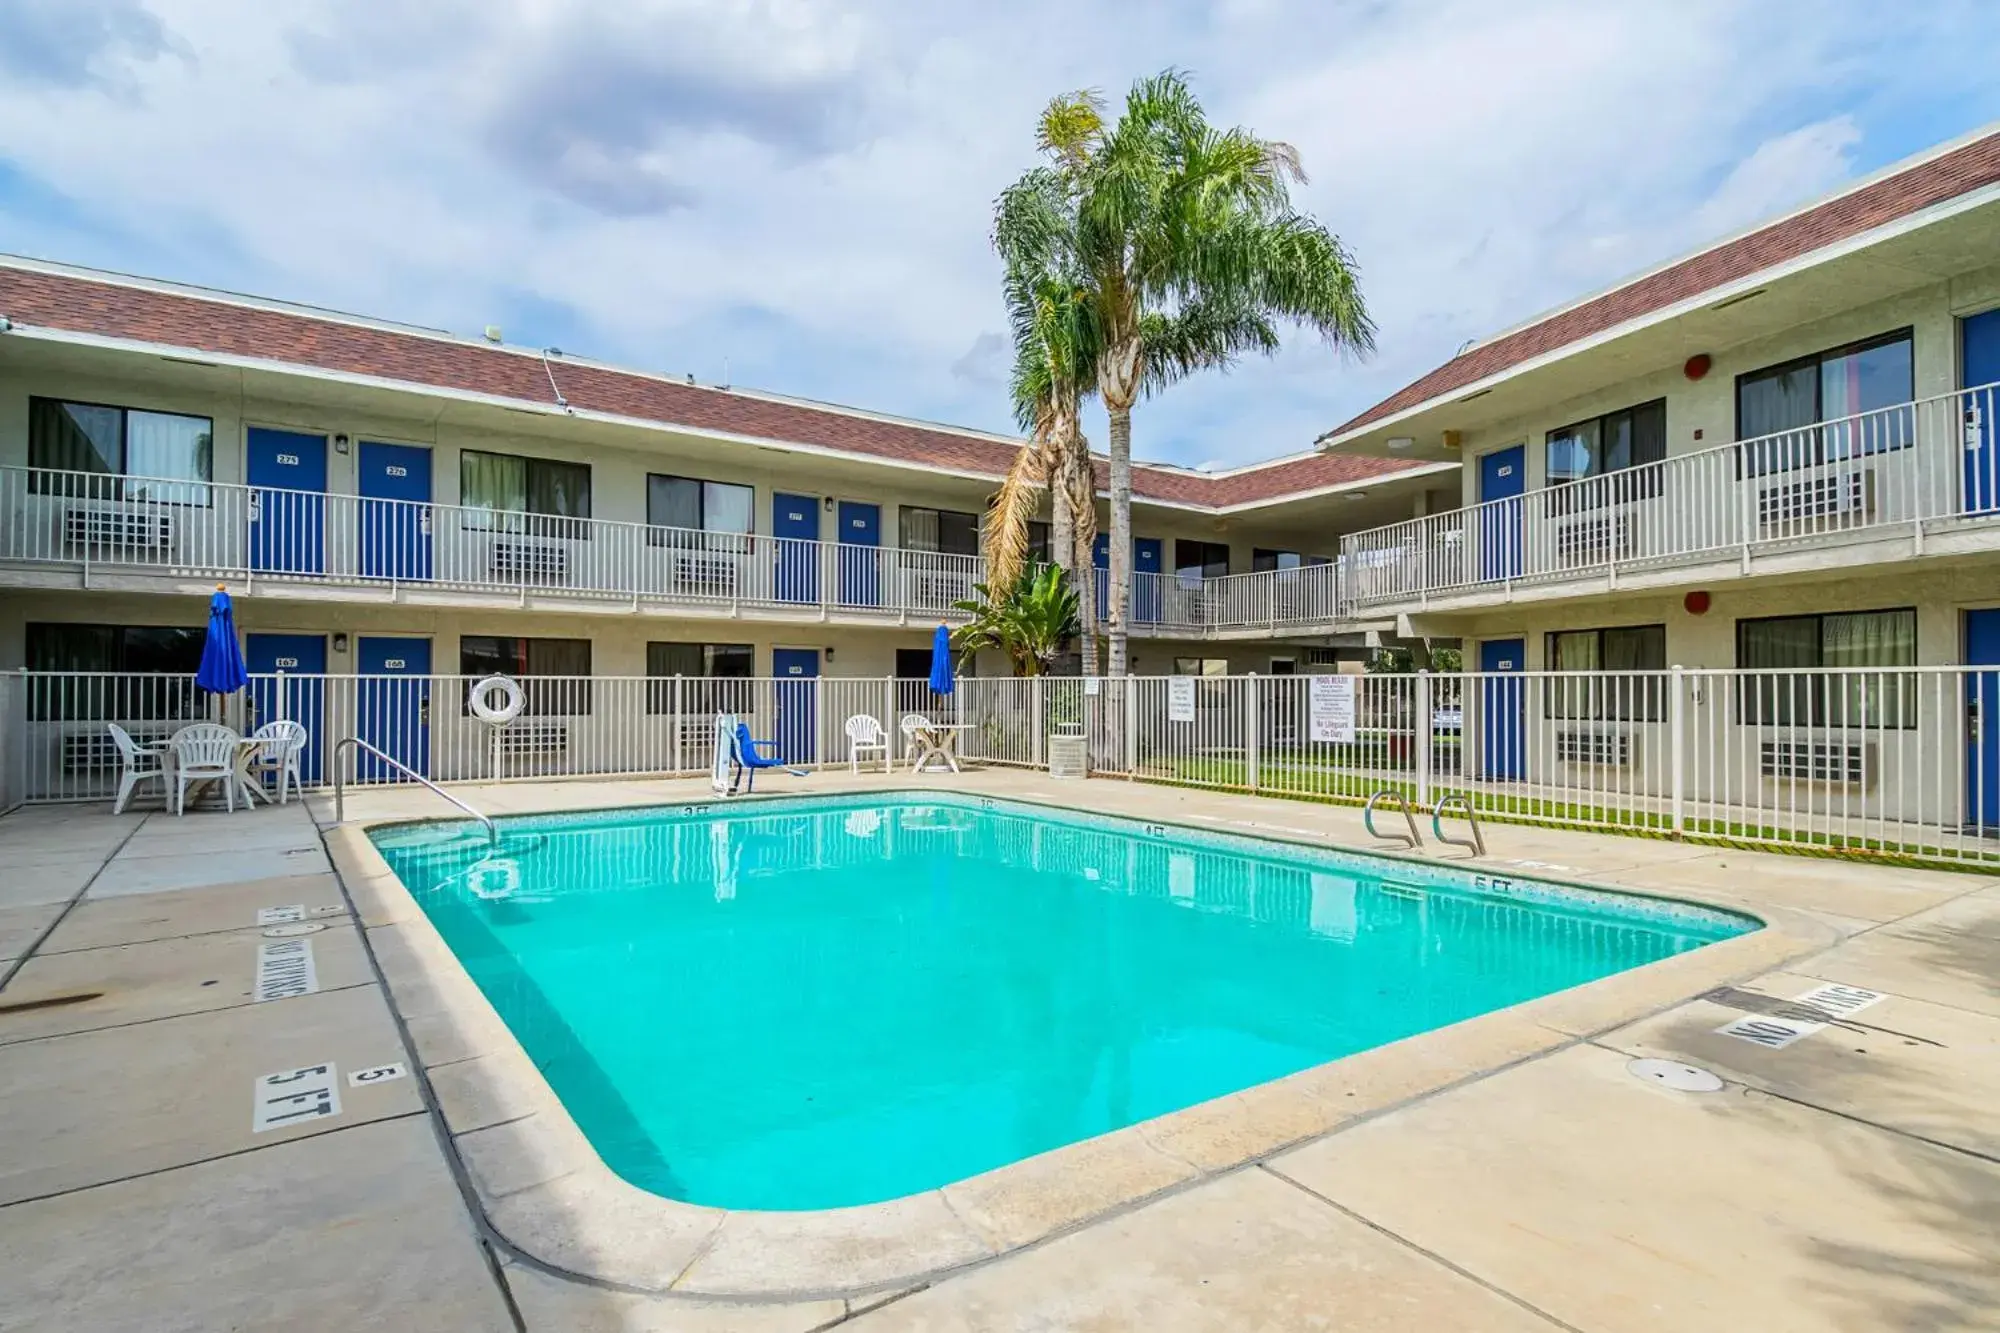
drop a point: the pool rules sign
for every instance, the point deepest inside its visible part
(1332, 708)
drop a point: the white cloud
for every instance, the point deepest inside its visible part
(804, 188)
(1781, 172)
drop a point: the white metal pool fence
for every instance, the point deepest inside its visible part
(1889, 760)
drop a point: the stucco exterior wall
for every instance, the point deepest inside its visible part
(1702, 414)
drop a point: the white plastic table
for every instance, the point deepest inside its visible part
(936, 740)
(247, 785)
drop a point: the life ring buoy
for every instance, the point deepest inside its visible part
(499, 713)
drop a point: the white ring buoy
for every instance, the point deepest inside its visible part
(501, 713)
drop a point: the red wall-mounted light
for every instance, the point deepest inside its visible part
(1696, 603)
(1697, 365)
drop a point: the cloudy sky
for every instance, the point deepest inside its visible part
(795, 196)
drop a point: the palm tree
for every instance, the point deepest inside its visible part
(1054, 368)
(1187, 248)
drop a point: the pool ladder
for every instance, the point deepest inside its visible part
(340, 785)
(1414, 840)
(1477, 842)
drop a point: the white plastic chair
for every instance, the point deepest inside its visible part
(911, 724)
(204, 752)
(284, 744)
(864, 736)
(137, 766)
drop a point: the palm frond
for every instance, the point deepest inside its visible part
(1209, 335)
(1018, 500)
(1071, 126)
(1288, 266)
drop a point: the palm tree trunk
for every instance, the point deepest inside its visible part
(1121, 532)
(1079, 484)
(1060, 553)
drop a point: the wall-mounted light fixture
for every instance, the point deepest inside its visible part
(340, 444)
(828, 502)
(829, 653)
(340, 643)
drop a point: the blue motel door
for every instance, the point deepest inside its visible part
(392, 703)
(1503, 477)
(860, 539)
(795, 526)
(287, 475)
(1979, 365)
(1503, 714)
(1982, 721)
(797, 721)
(395, 486)
(302, 660)
(1147, 552)
(1147, 555)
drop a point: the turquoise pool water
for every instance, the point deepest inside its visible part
(816, 1002)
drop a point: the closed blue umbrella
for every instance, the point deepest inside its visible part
(222, 670)
(941, 661)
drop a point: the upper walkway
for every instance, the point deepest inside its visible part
(96, 530)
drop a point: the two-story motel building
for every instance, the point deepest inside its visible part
(389, 500)
(1777, 454)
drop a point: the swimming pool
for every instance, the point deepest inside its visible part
(806, 1003)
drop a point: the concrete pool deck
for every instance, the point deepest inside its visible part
(1503, 1173)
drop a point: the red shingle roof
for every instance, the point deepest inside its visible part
(1933, 181)
(198, 323)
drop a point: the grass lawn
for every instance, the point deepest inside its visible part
(1283, 776)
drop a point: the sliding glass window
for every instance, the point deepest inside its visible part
(1848, 402)
(124, 673)
(1610, 452)
(677, 508)
(161, 457)
(946, 531)
(715, 678)
(1605, 660)
(539, 497)
(1800, 689)
(554, 673)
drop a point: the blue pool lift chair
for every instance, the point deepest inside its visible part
(748, 759)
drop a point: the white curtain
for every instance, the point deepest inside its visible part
(160, 445)
(1871, 639)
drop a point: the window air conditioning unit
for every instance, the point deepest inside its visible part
(534, 736)
(1594, 541)
(116, 528)
(530, 560)
(1599, 749)
(97, 752)
(1841, 499)
(1841, 763)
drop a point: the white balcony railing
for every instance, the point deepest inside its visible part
(1913, 468)
(96, 522)
(255, 534)
(1309, 597)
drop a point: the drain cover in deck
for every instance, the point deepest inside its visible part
(1673, 1074)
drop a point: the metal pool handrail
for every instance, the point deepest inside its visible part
(340, 785)
(1413, 838)
(1477, 842)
